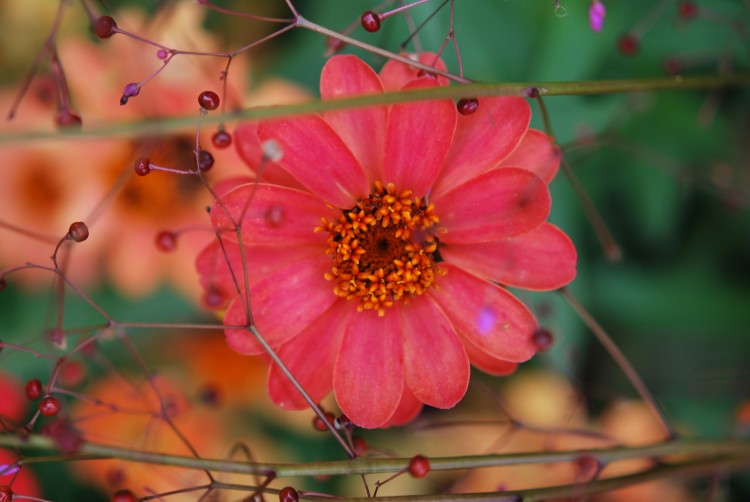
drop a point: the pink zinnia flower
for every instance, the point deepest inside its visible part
(376, 245)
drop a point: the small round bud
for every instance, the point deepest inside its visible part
(532, 92)
(78, 231)
(205, 160)
(166, 241)
(34, 389)
(214, 299)
(288, 494)
(333, 46)
(467, 106)
(419, 466)
(370, 21)
(687, 10)
(67, 119)
(6, 494)
(162, 54)
(359, 445)
(129, 91)
(142, 166)
(673, 65)
(628, 45)
(105, 27)
(209, 100)
(318, 423)
(586, 467)
(221, 139)
(542, 339)
(124, 496)
(49, 406)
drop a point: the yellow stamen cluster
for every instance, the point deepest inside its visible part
(381, 250)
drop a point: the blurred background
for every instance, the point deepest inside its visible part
(669, 171)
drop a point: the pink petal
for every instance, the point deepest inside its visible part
(396, 74)
(248, 147)
(318, 158)
(536, 153)
(310, 357)
(484, 139)
(225, 185)
(492, 319)
(271, 215)
(362, 129)
(418, 138)
(368, 378)
(488, 364)
(283, 304)
(541, 260)
(408, 409)
(214, 262)
(498, 204)
(437, 368)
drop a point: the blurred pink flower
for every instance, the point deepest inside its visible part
(596, 15)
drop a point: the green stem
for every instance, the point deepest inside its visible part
(523, 89)
(737, 449)
(579, 491)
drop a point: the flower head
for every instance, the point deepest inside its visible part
(375, 244)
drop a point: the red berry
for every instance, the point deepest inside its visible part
(142, 166)
(673, 65)
(318, 423)
(467, 106)
(359, 445)
(67, 438)
(166, 241)
(586, 467)
(205, 160)
(72, 374)
(33, 389)
(209, 100)
(370, 21)
(288, 494)
(210, 395)
(628, 45)
(78, 231)
(221, 139)
(124, 496)
(66, 118)
(425, 74)
(214, 299)
(105, 27)
(333, 46)
(419, 466)
(6, 495)
(542, 339)
(532, 92)
(49, 406)
(687, 10)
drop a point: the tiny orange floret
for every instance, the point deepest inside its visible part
(374, 261)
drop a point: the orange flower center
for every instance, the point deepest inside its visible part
(381, 249)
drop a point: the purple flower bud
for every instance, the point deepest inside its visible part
(596, 15)
(130, 90)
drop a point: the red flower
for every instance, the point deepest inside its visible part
(374, 245)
